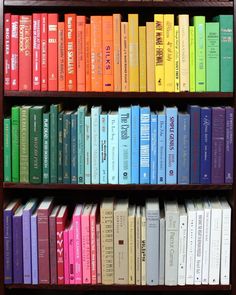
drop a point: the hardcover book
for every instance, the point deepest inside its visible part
(14, 49)
(17, 241)
(52, 51)
(135, 143)
(145, 144)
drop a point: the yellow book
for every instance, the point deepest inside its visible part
(131, 239)
(117, 49)
(133, 53)
(159, 52)
(150, 56)
(169, 53)
(176, 58)
(192, 59)
(124, 57)
(142, 60)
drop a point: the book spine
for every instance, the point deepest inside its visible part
(183, 221)
(26, 222)
(87, 146)
(53, 143)
(71, 257)
(177, 62)
(52, 51)
(159, 52)
(44, 52)
(66, 256)
(206, 246)
(145, 145)
(169, 54)
(77, 249)
(15, 120)
(93, 247)
(161, 149)
(7, 150)
(7, 51)
(36, 63)
(124, 57)
(74, 149)
(98, 243)
(162, 252)
(150, 56)
(24, 144)
(131, 235)
(117, 36)
(143, 251)
(103, 148)
(229, 144)
(14, 48)
(60, 148)
(17, 250)
(60, 251)
(46, 147)
(142, 60)
(81, 144)
(7, 229)
(53, 249)
(153, 150)
(85, 233)
(191, 247)
(192, 69)
(199, 248)
(81, 63)
(113, 149)
(135, 144)
(34, 249)
(138, 250)
(61, 57)
(66, 148)
(205, 144)
(88, 57)
(95, 128)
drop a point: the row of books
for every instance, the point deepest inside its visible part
(108, 54)
(182, 244)
(131, 145)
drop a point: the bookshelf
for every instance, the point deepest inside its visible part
(9, 98)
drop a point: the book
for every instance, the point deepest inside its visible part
(153, 148)
(82, 110)
(229, 144)
(159, 52)
(87, 147)
(113, 148)
(17, 249)
(7, 150)
(74, 148)
(66, 256)
(143, 247)
(81, 52)
(131, 240)
(182, 254)
(7, 51)
(124, 51)
(138, 246)
(44, 51)
(206, 241)
(34, 248)
(177, 61)
(103, 148)
(67, 146)
(161, 147)
(93, 218)
(169, 53)
(14, 51)
(77, 243)
(192, 64)
(46, 147)
(71, 256)
(36, 52)
(98, 243)
(60, 147)
(15, 139)
(88, 57)
(150, 44)
(145, 144)
(162, 247)
(52, 51)
(116, 27)
(61, 57)
(135, 143)
(142, 59)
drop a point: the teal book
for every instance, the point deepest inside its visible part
(60, 148)
(87, 146)
(103, 147)
(200, 54)
(7, 149)
(226, 53)
(82, 110)
(46, 147)
(212, 57)
(74, 150)
(36, 143)
(15, 137)
(67, 147)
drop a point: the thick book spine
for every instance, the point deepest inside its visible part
(93, 248)
(54, 109)
(67, 147)
(46, 147)
(26, 222)
(7, 229)
(80, 54)
(183, 222)
(159, 52)
(229, 144)
(153, 149)
(176, 56)
(192, 64)
(7, 51)
(87, 151)
(81, 143)
(161, 149)
(113, 149)
(53, 249)
(124, 58)
(88, 57)
(44, 51)
(77, 249)
(15, 137)
(117, 53)
(74, 150)
(86, 251)
(24, 144)
(199, 247)
(61, 57)
(135, 143)
(36, 63)
(169, 57)
(52, 51)
(7, 150)
(103, 148)
(17, 249)
(205, 146)
(66, 256)
(60, 148)
(34, 248)
(142, 59)
(14, 47)
(95, 113)
(145, 145)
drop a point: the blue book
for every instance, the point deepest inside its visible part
(67, 147)
(145, 145)
(135, 124)
(18, 246)
(205, 148)
(46, 147)
(87, 146)
(34, 248)
(194, 112)
(103, 147)
(154, 143)
(171, 144)
(161, 148)
(124, 145)
(82, 110)
(74, 153)
(60, 148)
(183, 148)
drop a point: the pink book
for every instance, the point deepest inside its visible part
(77, 244)
(93, 246)
(7, 51)
(36, 51)
(14, 52)
(66, 256)
(71, 255)
(98, 238)
(44, 52)
(86, 253)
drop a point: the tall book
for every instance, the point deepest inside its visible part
(103, 148)
(176, 51)
(17, 240)
(36, 54)
(131, 248)
(14, 51)
(46, 147)
(44, 51)
(93, 220)
(71, 263)
(82, 110)
(74, 148)
(60, 147)
(143, 247)
(182, 254)
(87, 147)
(124, 51)
(88, 57)
(15, 139)
(66, 256)
(229, 144)
(61, 57)
(7, 150)
(67, 146)
(34, 248)
(153, 148)
(145, 144)
(52, 51)
(192, 64)
(169, 53)
(161, 147)
(116, 27)
(77, 243)
(7, 51)
(142, 59)
(159, 52)
(80, 54)
(206, 241)
(162, 247)
(98, 244)
(135, 143)
(150, 44)
(138, 246)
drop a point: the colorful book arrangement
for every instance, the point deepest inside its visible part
(109, 54)
(131, 145)
(182, 244)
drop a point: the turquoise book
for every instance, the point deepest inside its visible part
(103, 147)
(212, 57)
(87, 147)
(135, 143)
(73, 148)
(82, 110)
(144, 145)
(124, 145)
(161, 148)
(46, 147)
(60, 148)
(7, 149)
(67, 147)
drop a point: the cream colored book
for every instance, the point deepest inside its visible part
(107, 250)
(142, 60)
(131, 229)
(150, 56)
(159, 52)
(169, 53)
(176, 58)
(124, 57)
(121, 242)
(138, 246)
(143, 246)
(117, 50)
(183, 20)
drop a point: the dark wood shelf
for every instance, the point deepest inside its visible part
(108, 187)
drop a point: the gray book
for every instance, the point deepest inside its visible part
(162, 248)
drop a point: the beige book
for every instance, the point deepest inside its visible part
(131, 225)
(124, 57)
(142, 60)
(107, 250)
(150, 56)
(143, 246)
(138, 246)
(117, 51)
(121, 242)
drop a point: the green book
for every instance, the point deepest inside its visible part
(60, 147)
(67, 147)
(200, 54)
(46, 147)
(212, 57)
(82, 110)
(192, 59)
(226, 53)
(15, 137)
(54, 110)
(7, 149)
(24, 143)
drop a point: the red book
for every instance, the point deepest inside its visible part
(36, 51)
(43, 212)
(81, 20)
(61, 222)
(25, 52)
(52, 51)
(15, 52)
(44, 51)
(7, 51)
(88, 56)
(61, 56)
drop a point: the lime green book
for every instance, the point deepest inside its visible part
(192, 59)
(7, 149)
(212, 57)
(15, 137)
(200, 52)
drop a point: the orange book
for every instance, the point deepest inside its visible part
(70, 50)
(81, 20)
(61, 57)
(88, 56)
(96, 53)
(107, 48)
(117, 51)
(52, 51)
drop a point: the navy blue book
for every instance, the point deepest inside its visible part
(60, 148)
(66, 147)
(205, 163)
(74, 164)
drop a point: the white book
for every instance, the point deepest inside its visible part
(215, 242)
(225, 243)
(131, 226)
(143, 246)
(87, 147)
(138, 246)
(191, 239)
(206, 241)
(183, 229)
(162, 248)
(172, 242)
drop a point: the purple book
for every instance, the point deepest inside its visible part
(7, 221)
(34, 248)
(229, 144)
(27, 212)
(17, 247)
(218, 145)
